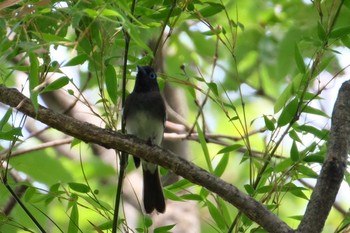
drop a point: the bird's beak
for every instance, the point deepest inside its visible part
(140, 69)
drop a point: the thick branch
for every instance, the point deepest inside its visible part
(332, 173)
(110, 139)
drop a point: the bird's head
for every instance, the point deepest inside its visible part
(146, 79)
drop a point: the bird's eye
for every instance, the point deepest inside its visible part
(152, 75)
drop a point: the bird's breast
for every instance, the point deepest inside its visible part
(145, 126)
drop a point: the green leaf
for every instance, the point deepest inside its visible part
(266, 189)
(70, 91)
(148, 221)
(111, 83)
(288, 92)
(297, 217)
(109, 12)
(347, 5)
(73, 226)
(75, 142)
(30, 192)
(216, 215)
(294, 135)
(161, 14)
(11, 134)
(314, 159)
(235, 118)
(299, 59)
(269, 123)
(340, 32)
(20, 68)
(54, 193)
(5, 118)
(321, 32)
(346, 41)
(190, 6)
(180, 185)
(249, 189)
(79, 187)
(164, 229)
(72, 201)
(136, 35)
(171, 196)
(246, 221)
(323, 65)
(225, 210)
(100, 205)
(307, 171)
(266, 176)
(214, 88)
(321, 134)
(245, 157)
(105, 226)
(315, 111)
(345, 223)
(193, 197)
(57, 84)
(297, 191)
(311, 148)
(78, 60)
(204, 145)
(51, 38)
(294, 152)
(220, 168)
(228, 149)
(90, 12)
(204, 193)
(311, 96)
(212, 9)
(283, 166)
(288, 113)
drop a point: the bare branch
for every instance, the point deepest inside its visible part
(332, 173)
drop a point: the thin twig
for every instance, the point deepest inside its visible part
(42, 146)
(18, 199)
(123, 156)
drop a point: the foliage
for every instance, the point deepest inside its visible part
(254, 74)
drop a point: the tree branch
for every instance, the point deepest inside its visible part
(332, 172)
(113, 140)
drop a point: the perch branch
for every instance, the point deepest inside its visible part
(109, 139)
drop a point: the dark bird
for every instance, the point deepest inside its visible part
(144, 116)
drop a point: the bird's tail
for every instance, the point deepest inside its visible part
(153, 197)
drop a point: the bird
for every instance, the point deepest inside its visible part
(144, 116)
